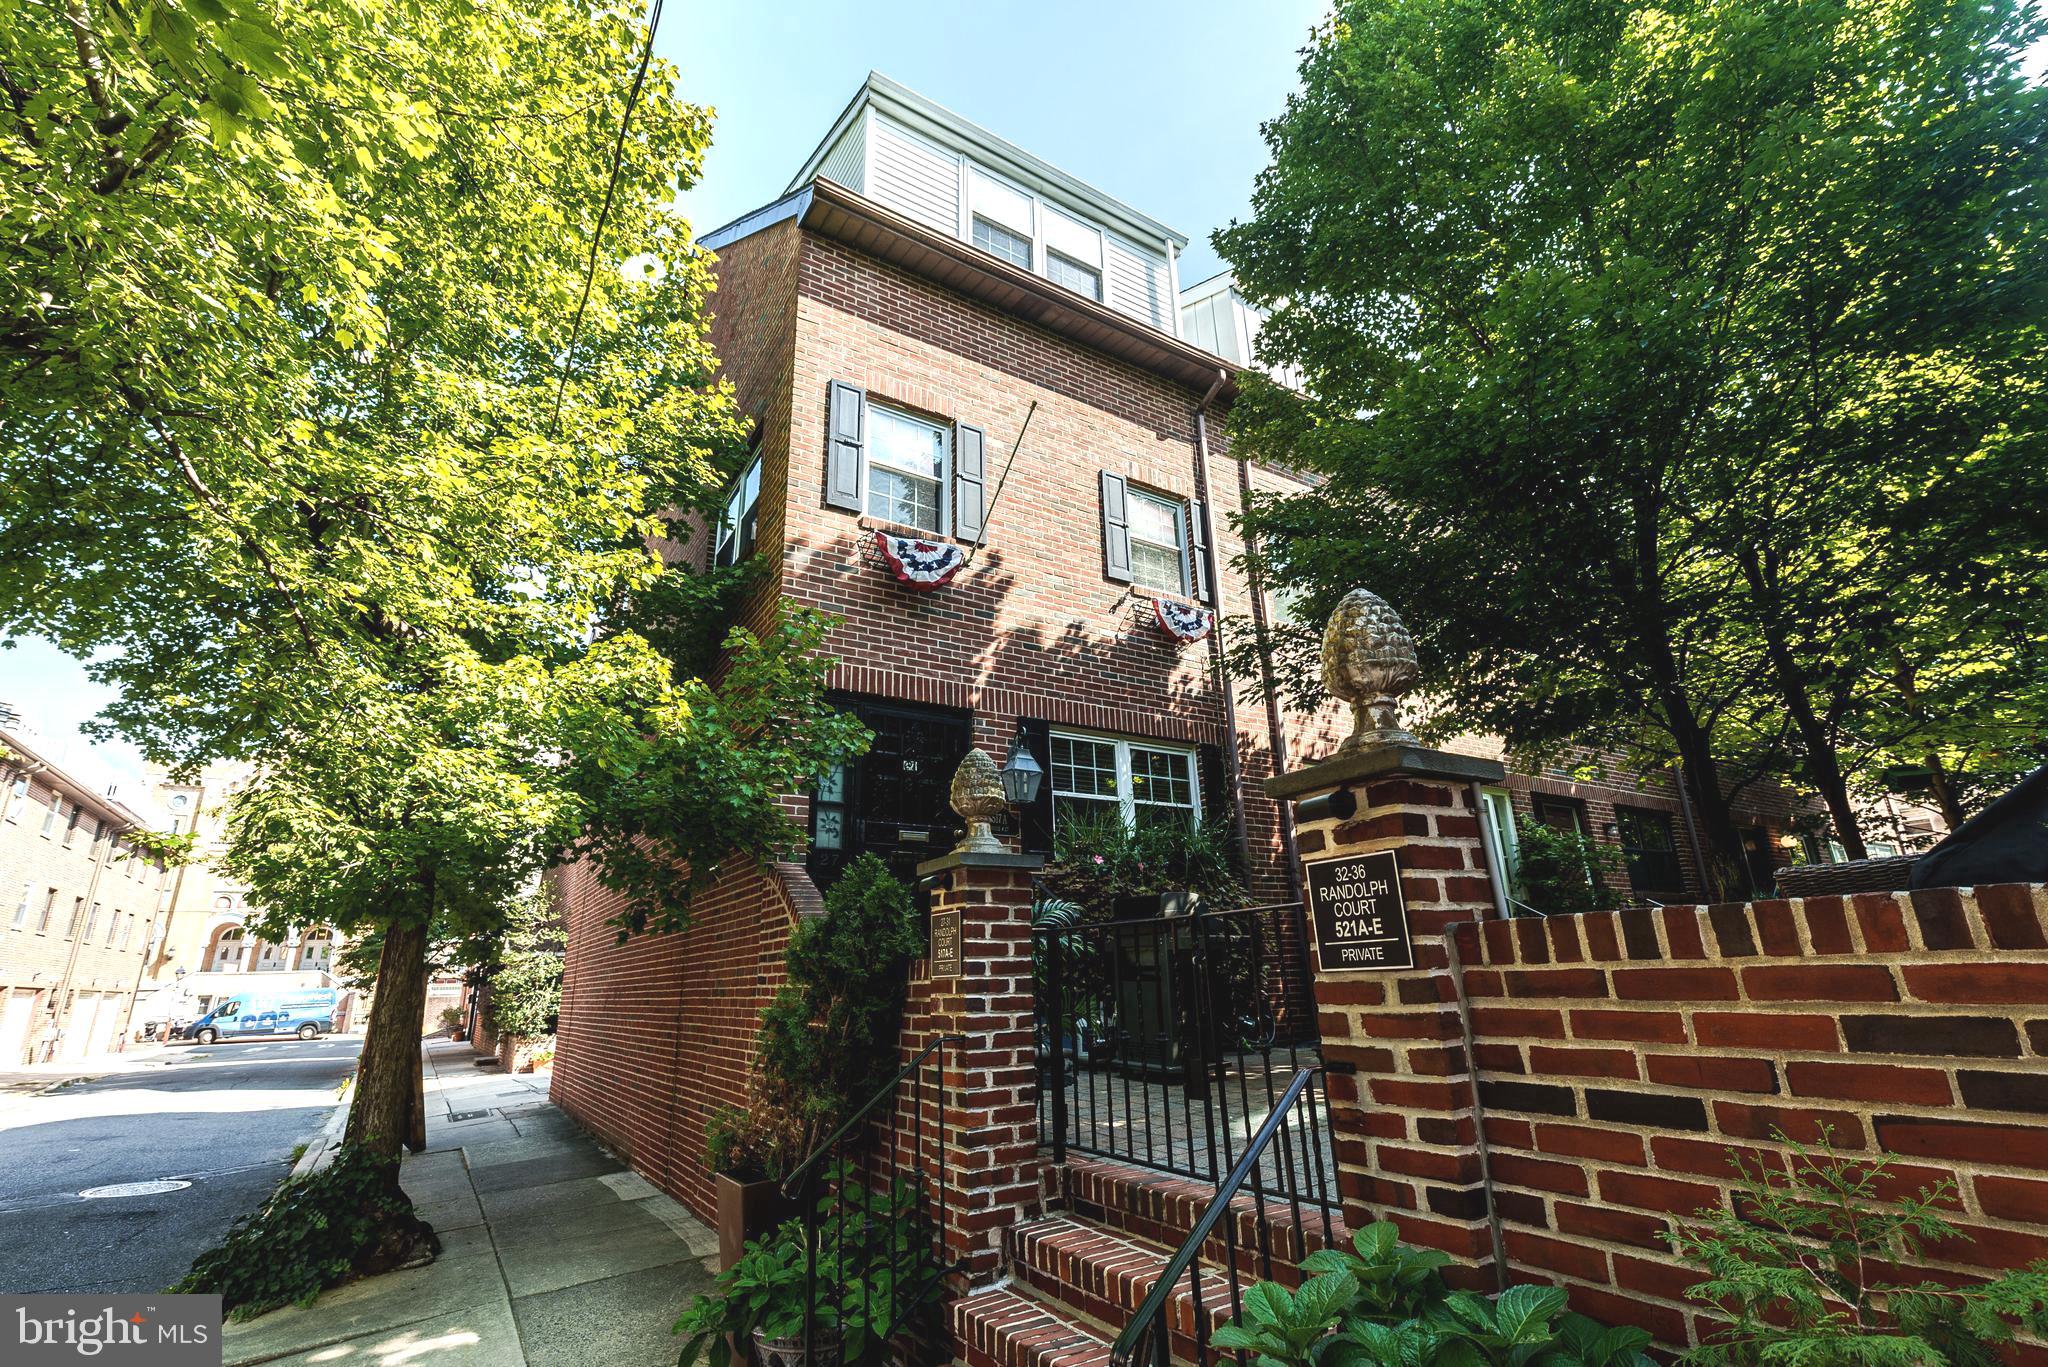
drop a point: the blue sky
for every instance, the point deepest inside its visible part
(1156, 104)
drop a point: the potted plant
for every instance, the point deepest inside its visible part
(749, 1149)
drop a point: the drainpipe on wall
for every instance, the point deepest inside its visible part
(1276, 731)
(92, 886)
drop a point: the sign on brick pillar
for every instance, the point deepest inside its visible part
(990, 1170)
(1403, 1111)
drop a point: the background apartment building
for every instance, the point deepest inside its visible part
(83, 906)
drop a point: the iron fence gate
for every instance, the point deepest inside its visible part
(1166, 1042)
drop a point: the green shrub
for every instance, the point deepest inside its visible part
(1386, 1305)
(828, 1037)
(874, 1273)
(1098, 859)
(1804, 1262)
(345, 1221)
(1560, 873)
(526, 983)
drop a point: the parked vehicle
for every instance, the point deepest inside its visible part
(307, 1012)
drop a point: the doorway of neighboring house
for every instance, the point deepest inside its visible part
(893, 802)
(1760, 857)
(78, 1030)
(17, 1014)
(1498, 810)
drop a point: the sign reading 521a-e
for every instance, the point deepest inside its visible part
(1361, 921)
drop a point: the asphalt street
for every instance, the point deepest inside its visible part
(223, 1118)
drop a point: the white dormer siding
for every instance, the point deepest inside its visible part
(1215, 317)
(933, 167)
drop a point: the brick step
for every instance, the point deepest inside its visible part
(1162, 1209)
(1104, 1275)
(1008, 1326)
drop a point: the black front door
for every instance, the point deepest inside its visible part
(894, 801)
(1761, 859)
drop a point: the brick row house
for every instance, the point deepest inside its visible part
(81, 911)
(922, 291)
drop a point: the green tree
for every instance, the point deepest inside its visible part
(1676, 370)
(352, 369)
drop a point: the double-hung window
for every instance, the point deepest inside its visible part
(1158, 542)
(28, 892)
(740, 522)
(906, 470)
(1064, 270)
(51, 815)
(997, 240)
(1648, 848)
(1137, 782)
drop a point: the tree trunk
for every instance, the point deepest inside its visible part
(388, 1078)
(1701, 774)
(1943, 787)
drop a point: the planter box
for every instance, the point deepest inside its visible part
(746, 1211)
(515, 1052)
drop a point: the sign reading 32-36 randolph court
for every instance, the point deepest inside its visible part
(1361, 921)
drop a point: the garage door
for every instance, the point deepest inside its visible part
(78, 1030)
(17, 1013)
(109, 1021)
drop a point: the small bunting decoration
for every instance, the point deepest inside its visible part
(923, 565)
(1183, 621)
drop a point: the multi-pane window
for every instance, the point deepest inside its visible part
(50, 817)
(1157, 532)
(1140, 783)
(19, 788)
(906, 470)
(28, 892)
(1064, 270)
(1084, 779)
(1647, 846)
(997, 240)
(740, 522)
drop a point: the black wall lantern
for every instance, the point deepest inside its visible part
(1021, 774)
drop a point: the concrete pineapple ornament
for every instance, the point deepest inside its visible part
(1369, 662)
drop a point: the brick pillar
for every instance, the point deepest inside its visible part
(991, 1170)
(1404, 1113)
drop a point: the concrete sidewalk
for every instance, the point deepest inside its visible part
(552, 1253)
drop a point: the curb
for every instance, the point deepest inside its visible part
(320, 1152)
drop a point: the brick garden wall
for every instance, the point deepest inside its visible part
(1620, 1057)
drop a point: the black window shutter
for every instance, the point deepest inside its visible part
(1035, 822)
(1198, 550)
(970, 482)
(847, 423)
(1116, 528)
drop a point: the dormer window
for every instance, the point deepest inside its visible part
(997, 240)
(1062, 270)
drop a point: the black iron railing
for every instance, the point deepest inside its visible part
(1244, 1240)
(874, 1234)
(1166, 1042)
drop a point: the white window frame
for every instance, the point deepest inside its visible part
(945, 474)
(1126, 793)
(1179, 510)
(729, 522)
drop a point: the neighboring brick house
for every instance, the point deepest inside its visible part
(891, 324)
(79, 911)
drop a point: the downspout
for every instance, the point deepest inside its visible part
(92, 888)
(1692, 835)
(1216, 653)
(1276, 731)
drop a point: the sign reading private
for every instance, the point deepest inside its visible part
(946, 944)
(1361, 921)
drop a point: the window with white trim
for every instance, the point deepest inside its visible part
(28, 892)
(1140, 782)
(906, 470)
(1158, 542)
(740, 522)
(997, 240)
(1064, 270)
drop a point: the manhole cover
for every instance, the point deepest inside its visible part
(157, 1188)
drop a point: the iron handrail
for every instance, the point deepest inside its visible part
(887, 1091)
(1150, 1310)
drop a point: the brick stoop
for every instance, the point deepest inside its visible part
(1077, 1276)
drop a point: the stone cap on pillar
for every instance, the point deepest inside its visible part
(977, 859)
(1385, 761)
